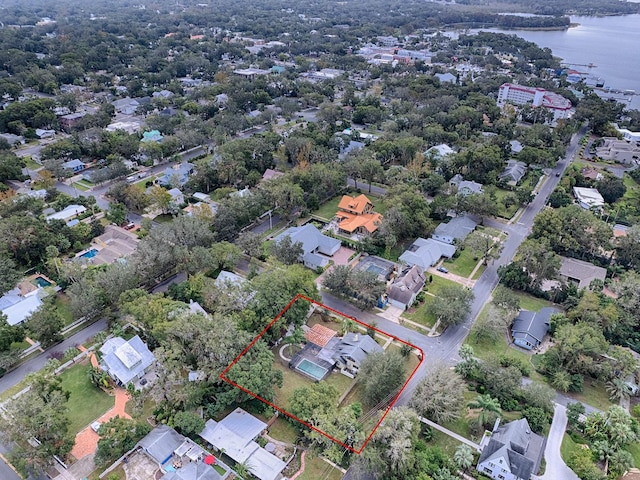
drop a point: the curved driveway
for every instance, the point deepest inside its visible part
(556, 468)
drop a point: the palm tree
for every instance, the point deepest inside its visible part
(463, 457)
(618, 389)
(487, 405)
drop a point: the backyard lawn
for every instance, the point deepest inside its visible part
(318, 469)
(291, 382)
(86, 402)
(283, 430)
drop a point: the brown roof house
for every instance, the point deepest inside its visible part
(404, 289)
(356, 215)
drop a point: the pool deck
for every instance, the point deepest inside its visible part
(310, 354)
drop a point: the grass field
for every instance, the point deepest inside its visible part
(63, 305)
(291, 382)
(283, 430)
(529, 302)
(463, 265)
(318, 469)
(502, 210)
(419, 314)
(86, 402)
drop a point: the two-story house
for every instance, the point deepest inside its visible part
(356, 216)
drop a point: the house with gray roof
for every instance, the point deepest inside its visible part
(529, 328)
(177, 175)
(75, 165)
(456, 230)
(352, 349)
(580, 272)
(18, 306)
(316, 247)
(177, 456)
(425, 253)
(235, 435)
(514, 452)
(513, 172)
(160, 443)
(406, 287)
(439, 152)
(126, 361)
(465, 187)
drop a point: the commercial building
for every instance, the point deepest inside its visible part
(537, 97)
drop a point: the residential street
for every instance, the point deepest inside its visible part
(556, 468)
(33, 365)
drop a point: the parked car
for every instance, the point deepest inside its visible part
(442, 269)
(95, 426)
(129, 226)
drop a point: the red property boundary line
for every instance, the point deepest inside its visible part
(290, 415)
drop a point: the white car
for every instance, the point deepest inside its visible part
(95, 426)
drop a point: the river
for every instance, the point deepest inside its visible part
(611, 43)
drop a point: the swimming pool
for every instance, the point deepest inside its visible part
(41, 282)
(89, 254)
(376, 269)
(312, 369)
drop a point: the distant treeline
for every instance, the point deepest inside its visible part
(564, 7)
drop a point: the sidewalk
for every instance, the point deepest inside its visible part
(446, 431)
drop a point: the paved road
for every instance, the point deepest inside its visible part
(33, 365)
(363, 185)
(556, 468)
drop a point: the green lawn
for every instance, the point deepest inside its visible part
(444, 442)
(420, 315)
(291, 382)
(31, 165)
(634, 449)
(436, 283)
(529, 302)
(593, 394)
(328, 210)
(81, 186)
(502, 211)
(317, 469)
(86, 402)
(463, 265)
(485, 349)
(568, 447)
(63, 305)
(341, 382)
(283, 430)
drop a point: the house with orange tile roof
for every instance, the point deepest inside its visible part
(356, 215)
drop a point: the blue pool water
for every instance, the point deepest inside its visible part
(311, 369)
(90, 254)
(41, 282)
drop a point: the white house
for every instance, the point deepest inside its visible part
(126, 361)
(456, 229)
(588, 198)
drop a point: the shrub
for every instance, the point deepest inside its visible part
(507, 361)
